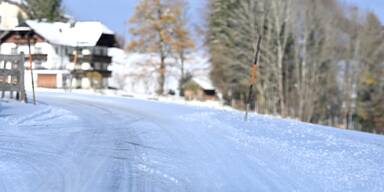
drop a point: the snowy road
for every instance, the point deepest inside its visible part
(90, 143)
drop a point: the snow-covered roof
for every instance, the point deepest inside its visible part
(204, 82)
(22, 28)
(17, 1)
(85, 33)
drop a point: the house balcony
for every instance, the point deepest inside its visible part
(91, 72)
(92, 59)
(37, 57)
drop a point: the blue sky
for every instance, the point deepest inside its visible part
(372, 5)
(115, 13)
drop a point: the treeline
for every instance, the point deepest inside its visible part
(320, 62)
(50, 10)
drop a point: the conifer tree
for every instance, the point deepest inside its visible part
(370, 101)
(51, 10)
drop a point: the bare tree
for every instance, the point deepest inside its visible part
(182, 43)
(153, 24)
(314, 56)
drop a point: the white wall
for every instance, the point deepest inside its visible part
(9, 14)
(52, 65)
(28, 81)
(57, 62)
(54, 61)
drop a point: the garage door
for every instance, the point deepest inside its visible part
(46, 80)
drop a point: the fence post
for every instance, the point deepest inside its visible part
(12, 79)
(4, 79)
(31, 68)
(22, 94)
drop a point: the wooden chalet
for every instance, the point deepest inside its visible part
(199, 89)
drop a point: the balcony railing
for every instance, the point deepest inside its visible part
(91, 59)
(37, 57)
(85, 73)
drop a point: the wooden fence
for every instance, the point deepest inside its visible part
(12, 76)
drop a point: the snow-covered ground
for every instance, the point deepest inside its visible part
(81, 142)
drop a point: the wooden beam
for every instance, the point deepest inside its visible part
(16, 73)
(10, 58)
(9, 87)
(8, 72)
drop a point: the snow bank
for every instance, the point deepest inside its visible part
(300, 156)
(149, 97)
(18, 117)
(137, 73)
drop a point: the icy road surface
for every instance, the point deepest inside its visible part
(79, 143)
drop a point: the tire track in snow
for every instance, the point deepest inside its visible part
(37, 161)
(125, 145)
(118, 164)
(35, 158)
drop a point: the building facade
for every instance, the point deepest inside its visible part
(63, 54)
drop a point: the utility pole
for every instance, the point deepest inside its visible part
(30, 67)
(75, 57)
(253, 78)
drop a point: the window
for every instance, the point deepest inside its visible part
(38, 65)
(70, 50)
(97, 66)
(96, 51)
(103, 51)
(38, 50)
(14, 51)
(99, 51)
(104, 67)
